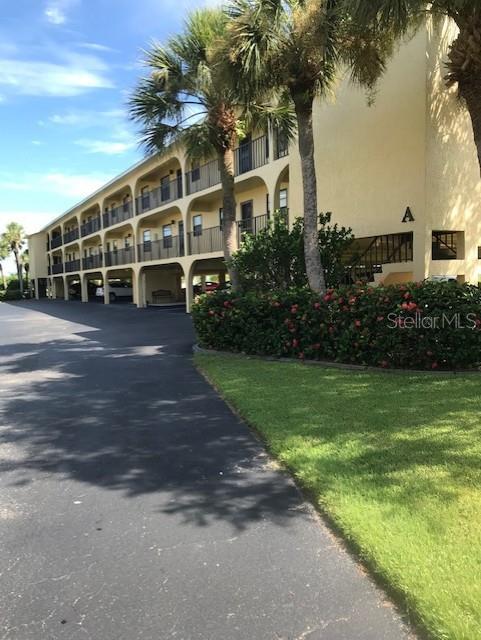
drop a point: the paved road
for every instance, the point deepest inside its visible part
(135, 506)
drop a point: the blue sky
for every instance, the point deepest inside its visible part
(66, 69)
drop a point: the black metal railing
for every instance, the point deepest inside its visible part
(55, 242)
(363, 262)
(167, 192)
(92, 262)
(171, 247)
(251, 155)
(252, 226)
(57, 267)
(205, 241)
(119, 214)
(49, 270)
(203, 177)
(281, 146)
(72, 265)
(119, 256)
(90, 227)
(71, 235)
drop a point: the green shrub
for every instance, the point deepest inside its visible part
(429, 325)
(10, 294)
(273, 258)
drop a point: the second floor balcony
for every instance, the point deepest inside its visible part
(72, 265)
(118, 214)
(91, 226)
(119, 256)
(205, 240)
(170, 247)
(92, 262)
(57, 268)
(55, 242)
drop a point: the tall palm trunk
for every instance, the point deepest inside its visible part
(314, 269)
(2, 275)
(19, 270)
(229, 227)
(471, 92)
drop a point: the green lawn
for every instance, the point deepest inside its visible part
(395, 460)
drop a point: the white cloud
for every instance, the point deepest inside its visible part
(56, 10)
(76, 75)
(86, 118)
(108, 147)
(55, 182)
(94, 46)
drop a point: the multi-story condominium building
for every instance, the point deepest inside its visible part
(403, 173)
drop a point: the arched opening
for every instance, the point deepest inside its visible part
(71, 230)
(74, 287)
(281, 195)
(58, 288)
(161, 236)
(72, 257)
(93, 287)
(118, 207)
(162, 285)
(119, 286)
(56, 237)
(159, 186)
(92, 257)
(119, 246)
(56, 262)
(206, 275)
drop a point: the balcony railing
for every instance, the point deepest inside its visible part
(70, 236)
(119, 214)
(251, 155)
(205, 240)
(55, 242)
(171, 247)
(252, 226)
(119, 256)
(90, 227)
(281, 146)
(57, 268)
(49, 270)
(158, 197)
(203, 177)
(72, 265)
(363, 262)
(92, 262)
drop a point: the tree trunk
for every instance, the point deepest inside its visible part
(2, 275)
(19, 270)
(470, 91)
(229, 227)
(314, 270)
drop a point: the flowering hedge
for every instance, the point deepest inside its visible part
(428, 325)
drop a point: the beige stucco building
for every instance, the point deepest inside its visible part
(403, 173)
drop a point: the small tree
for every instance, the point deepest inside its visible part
(14, 237)
(4, 253)
(273, 259)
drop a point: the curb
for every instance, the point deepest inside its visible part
(328, 364)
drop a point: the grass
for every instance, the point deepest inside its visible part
(395, 462)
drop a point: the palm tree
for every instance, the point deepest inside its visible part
(190, 97)
(464, 56)
(14, 237)
(25, 262)
(301, 48)
(4, 253)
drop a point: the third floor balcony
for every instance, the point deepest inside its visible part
(118, 214)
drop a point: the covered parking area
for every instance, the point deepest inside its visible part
(162, 285)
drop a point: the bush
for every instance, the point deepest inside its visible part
(429, 325)
(273, 258)
(10, 294)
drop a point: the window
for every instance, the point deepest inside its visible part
(165, 189)
(444, 245)
(127, 241)
(247, 210)
(145, 197)
(221, 217)
(167, 236)
(197, 225)
(195, 174)
(283, 199)
(146, 236)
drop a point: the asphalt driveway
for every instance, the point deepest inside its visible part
(134, 504)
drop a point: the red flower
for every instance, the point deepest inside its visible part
(211, 313)
(352, 300)
(380, 318)
(327, 298)
(407, 295)
(357, 323)
(405, 306)
(301, 355)
(227, 304)
(317, 305)
(295, 343)
(412, 306)
(434, 365)
(316, 346)
(384, 364)
(294, 308)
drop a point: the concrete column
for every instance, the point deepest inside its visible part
(35, 284)
(65, 288)
(84, 293)
(202, 283)
(189, 289)
(106, 290)
(135, 289)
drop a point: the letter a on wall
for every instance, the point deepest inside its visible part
(408, 216)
